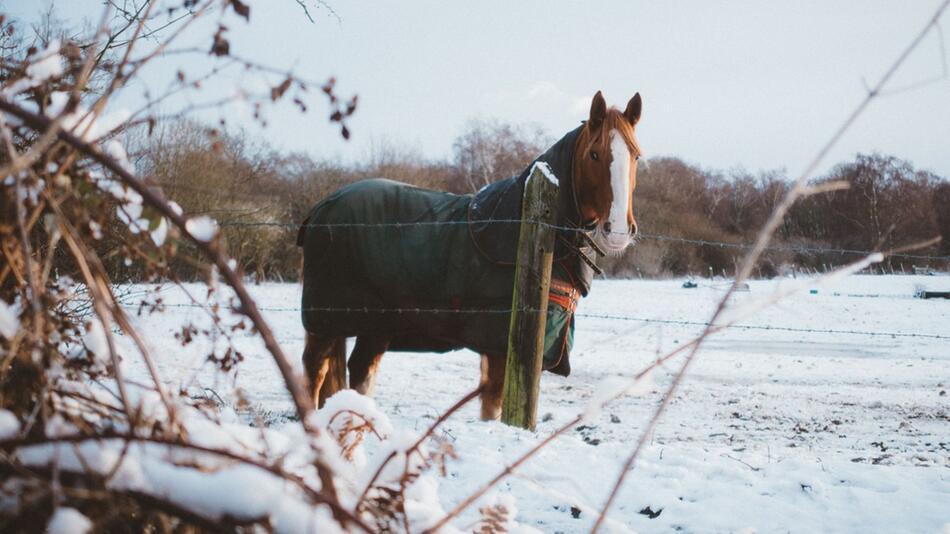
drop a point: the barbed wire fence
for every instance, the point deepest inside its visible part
(502, 310)
(605, 316)
(658, 237)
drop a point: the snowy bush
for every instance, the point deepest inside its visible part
(82, 446)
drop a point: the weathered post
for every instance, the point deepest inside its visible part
(529, 302)
(336, 372)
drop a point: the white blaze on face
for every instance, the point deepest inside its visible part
(619, 236)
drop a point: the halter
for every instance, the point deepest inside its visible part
(501, 201)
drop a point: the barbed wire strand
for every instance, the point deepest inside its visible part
(612, 317)
(660, 237)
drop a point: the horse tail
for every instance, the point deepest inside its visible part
(302, 231)
(301, 236)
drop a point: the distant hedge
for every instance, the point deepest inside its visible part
(243, 183)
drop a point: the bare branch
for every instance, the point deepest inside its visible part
(764, 236)
(211, 249)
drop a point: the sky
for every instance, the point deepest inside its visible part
(728, 85)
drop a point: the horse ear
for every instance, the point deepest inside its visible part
(632, 113)
(598, 111)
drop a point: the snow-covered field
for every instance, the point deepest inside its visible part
(773, 431)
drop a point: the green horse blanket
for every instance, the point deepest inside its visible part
(432, 271)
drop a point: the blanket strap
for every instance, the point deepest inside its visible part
(564, 295)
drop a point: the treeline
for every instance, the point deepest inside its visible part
(887, 205)
(692, 220)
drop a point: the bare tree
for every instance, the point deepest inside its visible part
(487, 151)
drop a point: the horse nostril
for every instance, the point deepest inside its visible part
(606, 227)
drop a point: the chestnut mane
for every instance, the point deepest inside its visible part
(614, 121)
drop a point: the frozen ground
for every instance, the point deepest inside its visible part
(773, 431)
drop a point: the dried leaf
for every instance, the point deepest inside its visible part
(220, 46)
(71, 51)
(241, 9)
(494, 519)
(278, 91)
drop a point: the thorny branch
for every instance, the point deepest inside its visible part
(273, 468)
(211, 248)
(50, 162)
(418, 443)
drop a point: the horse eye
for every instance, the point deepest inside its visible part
(593, 155)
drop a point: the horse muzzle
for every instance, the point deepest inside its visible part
(614, 242)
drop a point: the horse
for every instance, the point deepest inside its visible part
(402, 268)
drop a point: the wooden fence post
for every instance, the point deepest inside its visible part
(532, 282)
(336, 373)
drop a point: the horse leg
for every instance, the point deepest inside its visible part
(335, 379)
(492, 383)
(316, 363)
(364, 362)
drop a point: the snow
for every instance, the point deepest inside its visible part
(160, 232)
(613, 387)
(202, 228)
(770, 431)
(58, 426)
(9, 320)
(506, 508)
(218, 488)
(116, 151)
(82, 122)
(9, 425)
(155, 470)
(46, 64)
(68, 521)
(347, 409)
(784, 288)
(96, 229)
(215, 486)
(43, 65)
(131, 209)
(97, 344)
(545, 171)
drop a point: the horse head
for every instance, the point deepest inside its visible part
(605, 172)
